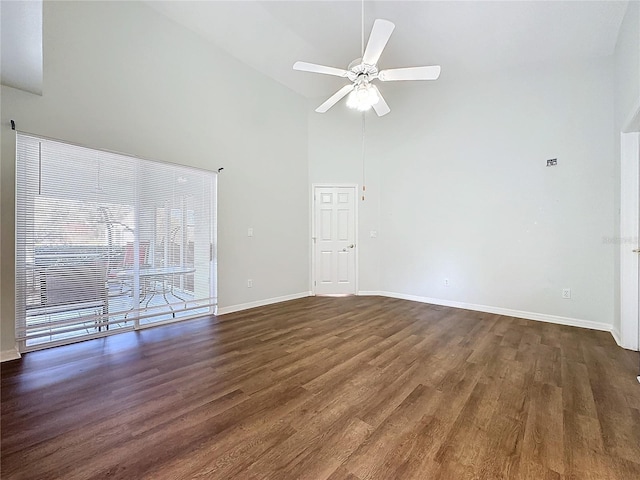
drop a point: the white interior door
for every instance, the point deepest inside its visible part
(334, 240)
(629, 231)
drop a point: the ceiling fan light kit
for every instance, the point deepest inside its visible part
(363, 95)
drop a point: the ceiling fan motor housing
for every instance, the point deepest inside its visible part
(357, 69)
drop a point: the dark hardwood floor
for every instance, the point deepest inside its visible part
(327, 388)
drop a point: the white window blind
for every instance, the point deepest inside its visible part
(107, 242)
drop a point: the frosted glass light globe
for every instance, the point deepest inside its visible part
(363, 97)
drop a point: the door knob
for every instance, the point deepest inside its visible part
(637, 250)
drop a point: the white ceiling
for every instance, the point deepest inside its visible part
(465, 38)
(21, 45)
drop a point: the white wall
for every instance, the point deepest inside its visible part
(120, 76)
(464, 192)
(335, 156)
(455, 175)
(469, 197)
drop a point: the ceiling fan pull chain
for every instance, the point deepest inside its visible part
(362, 30)
(363, 154)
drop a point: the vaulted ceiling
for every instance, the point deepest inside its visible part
(466, 38)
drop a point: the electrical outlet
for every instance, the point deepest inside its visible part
(446, 282)
(566, 293)
(250, 232)
(249, 283)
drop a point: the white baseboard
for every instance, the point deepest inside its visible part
(7, 355)
(261, 303)
(542, 317)
(615, 333)
(633, 346)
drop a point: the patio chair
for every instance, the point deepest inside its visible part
(72, 287)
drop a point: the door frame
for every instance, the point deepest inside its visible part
(628, 336)
(312, 243)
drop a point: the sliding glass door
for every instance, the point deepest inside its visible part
(106, 242)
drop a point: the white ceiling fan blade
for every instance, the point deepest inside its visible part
(314, 68)
(410, 73)
(380, 106)
(335, 98)
(378, 39)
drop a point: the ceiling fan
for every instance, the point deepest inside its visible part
(361, 72)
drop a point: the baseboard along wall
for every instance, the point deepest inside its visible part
(7, 355)
(260, 303)
(542, 317)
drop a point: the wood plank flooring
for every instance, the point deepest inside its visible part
(327, 388)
